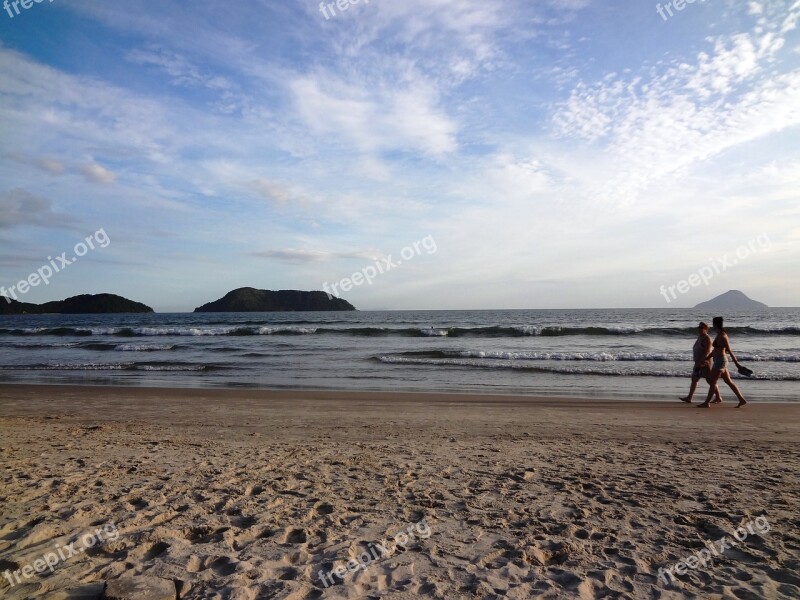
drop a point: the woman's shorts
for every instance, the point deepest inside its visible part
(720, 363)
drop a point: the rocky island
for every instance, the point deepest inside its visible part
(249, 299)
(732, 300)
(84, 304)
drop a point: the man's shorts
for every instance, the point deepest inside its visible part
(701, 372)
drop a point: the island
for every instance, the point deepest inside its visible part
(732, 300)
(84, 304)
(249, 299)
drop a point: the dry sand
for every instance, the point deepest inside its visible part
(249, 494)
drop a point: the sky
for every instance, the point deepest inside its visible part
(539, 153)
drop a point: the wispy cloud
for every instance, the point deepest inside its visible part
(374, 120)
(295, 256)
(185, 73)
(48, 165)
(20, 207)
(275, 191)
(659, 123)
(98, 174)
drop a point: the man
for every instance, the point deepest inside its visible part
(702, 364)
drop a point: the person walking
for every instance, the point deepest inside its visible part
(702, 364)
(719, 368)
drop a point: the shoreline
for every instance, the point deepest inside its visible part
(409, 395)
(313, 415)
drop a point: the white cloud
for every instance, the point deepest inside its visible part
(790, 22)
(51, 166)
(275, 191)
(187, 74)
(374, 120)
(98, 174)
(179, 68)
(509, 180)
(53, 111)
(48, 165)
(692, 111)
(293, 255)
(457, 35)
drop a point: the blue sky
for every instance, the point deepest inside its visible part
(562, 153)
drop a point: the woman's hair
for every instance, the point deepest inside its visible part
(718, 324)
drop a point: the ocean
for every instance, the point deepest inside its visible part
(632, 354)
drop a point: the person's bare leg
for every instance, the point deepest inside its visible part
(712, 386)
(727, 377)
(718, 396)
(691, 391)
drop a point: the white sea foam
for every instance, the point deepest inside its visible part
(567, 370)
(430, 331)
(183, 331)
(143, 347)
(297, 330)
(530, 329)
(578, 356)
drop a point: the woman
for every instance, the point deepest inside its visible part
(702, 364)
(721, 346)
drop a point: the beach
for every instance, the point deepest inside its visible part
(374, 300)
(249, 494)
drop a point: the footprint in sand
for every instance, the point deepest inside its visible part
(289, 574)
(323, 508)
(138, 503)
(8, 565)
(582, 534)
(195, 564)
(155, 550)
(295, 536)
(243, 522)
(548, 553)
(223, 566)
(253, 490)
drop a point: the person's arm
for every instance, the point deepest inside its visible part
(710, 348)
(730, 351)
(706, 350)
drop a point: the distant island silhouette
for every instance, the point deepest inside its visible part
(732, 300)
(249, 299)
(244, 299)
(76, 305)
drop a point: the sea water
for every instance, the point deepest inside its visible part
(641, 353)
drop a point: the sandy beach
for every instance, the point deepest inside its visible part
(301, 495)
